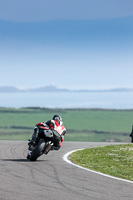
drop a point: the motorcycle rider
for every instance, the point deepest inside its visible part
(131, 135)
(57, 138)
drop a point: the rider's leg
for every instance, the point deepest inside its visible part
(32, 141)
(56, 141)
(34, 136)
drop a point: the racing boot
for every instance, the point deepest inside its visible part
(29, 154)
(55, 148)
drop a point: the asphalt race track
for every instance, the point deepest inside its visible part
(51, 178)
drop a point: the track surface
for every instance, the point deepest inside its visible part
(51, 178)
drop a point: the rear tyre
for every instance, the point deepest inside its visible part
(38, 150)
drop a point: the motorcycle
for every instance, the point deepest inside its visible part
(44, 141)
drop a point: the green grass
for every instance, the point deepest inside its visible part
(97, 137)
(81, 124)
(114, 160)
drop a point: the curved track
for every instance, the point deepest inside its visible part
(51, 178)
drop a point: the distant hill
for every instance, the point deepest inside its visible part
(52, 88)
(9, 89)
(40, 89)
(109, 90)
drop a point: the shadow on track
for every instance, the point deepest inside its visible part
(22, 160)
(16, 160)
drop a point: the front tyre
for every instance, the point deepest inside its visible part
(38, 150)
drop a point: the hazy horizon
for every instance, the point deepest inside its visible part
(69, 89)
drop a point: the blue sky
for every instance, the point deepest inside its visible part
(72, 44)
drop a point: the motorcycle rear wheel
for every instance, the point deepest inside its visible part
(38, 150)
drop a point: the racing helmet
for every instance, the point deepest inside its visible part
(57, 118)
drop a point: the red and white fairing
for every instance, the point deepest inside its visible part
(60, 128)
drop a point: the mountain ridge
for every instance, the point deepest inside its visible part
(52, 88)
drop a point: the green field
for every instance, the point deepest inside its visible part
(114, 160)
(81, 124)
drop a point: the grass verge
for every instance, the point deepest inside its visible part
(114, 160)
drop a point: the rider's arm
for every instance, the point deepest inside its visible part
(51, 124)
(39, 124)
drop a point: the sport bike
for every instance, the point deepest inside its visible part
(42, 144)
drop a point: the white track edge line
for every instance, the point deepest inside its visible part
(65, 158)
